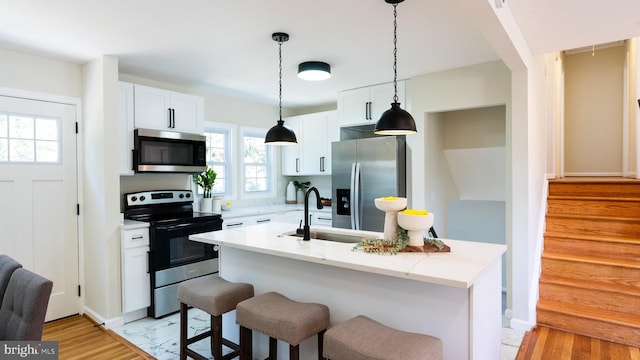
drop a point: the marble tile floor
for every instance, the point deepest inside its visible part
(160, 337)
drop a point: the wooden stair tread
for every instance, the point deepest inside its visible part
(593, 237)
(590, 284)
(595, 260)
(624, 319)
(593, 198)
(593, 217)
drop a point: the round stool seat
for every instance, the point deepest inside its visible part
(213, 294)
(362, 338)
(277, 316)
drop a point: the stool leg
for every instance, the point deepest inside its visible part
(294, 352)
(183, 331)
(216, 337)
(273, 348)
(321, 344)
(246, 343)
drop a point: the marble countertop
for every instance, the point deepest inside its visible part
(128, 224)
(459, 268)
(270, 209)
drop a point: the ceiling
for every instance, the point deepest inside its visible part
(226, 46)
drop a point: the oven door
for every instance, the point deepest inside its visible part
(171, 247)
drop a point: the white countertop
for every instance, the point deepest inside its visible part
(459, 268)
(129, 224)
(270, 209)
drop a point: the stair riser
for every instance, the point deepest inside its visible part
(588, 327)
(629, 209)
(602, 226)
(610, 250)
(611, 301)
(619, 275)
(624, 190)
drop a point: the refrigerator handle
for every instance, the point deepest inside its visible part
(356, 204)
(352, 196)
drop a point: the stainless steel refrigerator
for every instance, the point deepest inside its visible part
(362, 170)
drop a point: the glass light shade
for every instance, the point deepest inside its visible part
(314, 70)
(280, 135)
(395, 121)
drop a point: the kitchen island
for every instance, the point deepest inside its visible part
(455, 296)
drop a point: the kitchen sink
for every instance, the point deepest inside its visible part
(328, 236)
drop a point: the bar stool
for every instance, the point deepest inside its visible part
(280, 318)
(215, 296)
(362, 338)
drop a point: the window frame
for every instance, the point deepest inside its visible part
(270, 163)
(230, 155)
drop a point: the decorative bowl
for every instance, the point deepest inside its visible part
(416, 223)
(390, 203)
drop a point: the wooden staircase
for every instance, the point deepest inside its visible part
(590, 281)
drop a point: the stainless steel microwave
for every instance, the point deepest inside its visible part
(167, 151)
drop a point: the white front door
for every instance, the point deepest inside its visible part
(39, 195)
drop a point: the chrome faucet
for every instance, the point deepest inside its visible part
(306, 235)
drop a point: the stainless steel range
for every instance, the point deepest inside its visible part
(173, 257)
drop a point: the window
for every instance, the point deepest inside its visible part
(29, 139)
(256, 163)
(219, 157)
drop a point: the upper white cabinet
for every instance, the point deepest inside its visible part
(125, 127)
(312, 154)
(168, 110)
(366, 105)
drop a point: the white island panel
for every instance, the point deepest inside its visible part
(454, 296)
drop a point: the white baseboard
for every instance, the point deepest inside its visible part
(521, 325)
(107, 323)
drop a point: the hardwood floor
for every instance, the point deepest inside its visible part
(79, 337)
(550, 344)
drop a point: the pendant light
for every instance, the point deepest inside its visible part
(395, 121)
(280, 134)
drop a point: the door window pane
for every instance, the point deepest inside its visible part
(27, 138)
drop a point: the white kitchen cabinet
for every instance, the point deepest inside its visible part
(320, 218)
(125, 127)
(136, 290)
(366, 105)
(291, 153)
(242, 221)
(312, 154)
(161, 109)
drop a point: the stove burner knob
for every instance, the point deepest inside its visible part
(134, 198)
(181, 196)
(142, 198)
(188, 195)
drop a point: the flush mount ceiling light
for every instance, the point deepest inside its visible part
(314, 70)
(280, 134)
(395, 121)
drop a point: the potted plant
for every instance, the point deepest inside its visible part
(205, 180)
(301, 187)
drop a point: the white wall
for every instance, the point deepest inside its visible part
(101, 205)
(39, 74)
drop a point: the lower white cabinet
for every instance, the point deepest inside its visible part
(136, 293)
(241, 221)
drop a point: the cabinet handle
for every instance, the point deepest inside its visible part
(137, 237)
(369, 116)
(173, 118)
(169, 110)
(321, 163)
(324, 218)
(234, 224)
(263, 221)
(297, 164)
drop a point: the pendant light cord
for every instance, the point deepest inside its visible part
(395, 53)
(280, 77)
